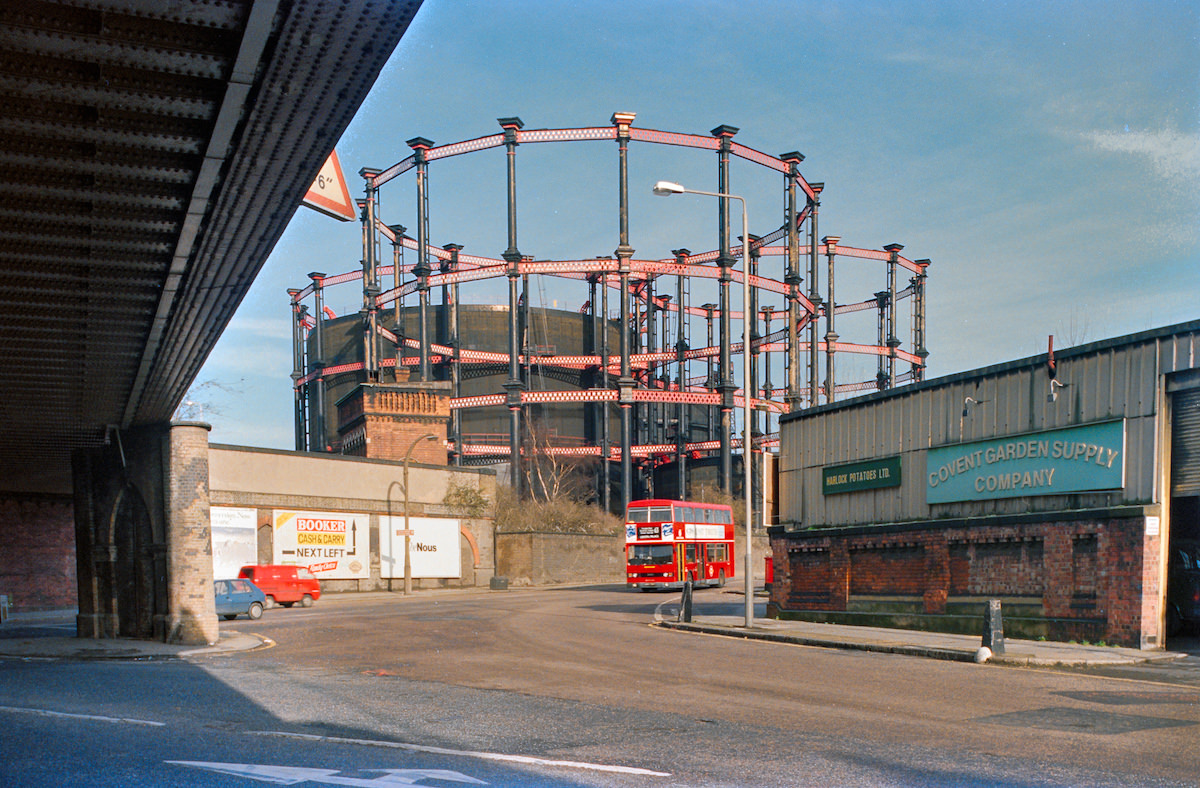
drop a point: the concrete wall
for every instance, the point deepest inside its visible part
(561, 558)
(267, 479)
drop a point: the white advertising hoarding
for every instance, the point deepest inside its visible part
(234, 539)
(434, 547)
(333, 545)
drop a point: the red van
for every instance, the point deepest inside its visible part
(284, 584)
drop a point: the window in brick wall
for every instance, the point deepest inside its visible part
(888, 570)
(1000, 569)
(809, 575)
(1084, 553)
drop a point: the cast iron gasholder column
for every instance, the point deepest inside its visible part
(893, 341)
(398, 231)
(456, 359)
(682, 411)
(918, 321)
(792, 279)
(814, 295)
(831, 337)
(726, 387)
(624, 252)
(422, 270)
(317, 426)
(512, 256)
(298, 313)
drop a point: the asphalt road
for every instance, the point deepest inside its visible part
(573, 687)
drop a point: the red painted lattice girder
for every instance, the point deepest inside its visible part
(565, 266)
(481, 401)
(648, 450)
(704, 257)
(411, 243)
(758, 157)
(469, 275)
(412, 361)
(399, 168)
(676, 397)
(674, 138)
(874, 350)
(660, 357)
(466, 146)
(443, 353)
(585, 395)
(672, 268)
(570, 451)
(567, 135)
(775, 235)
(761, 404)
(847, 388)
(388, 296)
(875, 254)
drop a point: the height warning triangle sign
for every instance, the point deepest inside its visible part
(328, 193)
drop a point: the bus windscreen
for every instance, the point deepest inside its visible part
(645, 554)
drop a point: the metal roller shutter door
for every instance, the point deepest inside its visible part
(1185, 443)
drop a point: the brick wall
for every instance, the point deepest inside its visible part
(191, 613)
(37, 562)
(383, 421)
(894, 569)
(808, 577)
(1085, 579)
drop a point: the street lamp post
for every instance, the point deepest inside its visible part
(429, 436)
(665, 189)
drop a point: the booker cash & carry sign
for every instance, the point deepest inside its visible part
(333, 545)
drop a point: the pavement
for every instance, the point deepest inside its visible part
(933, 645)
(50, 635)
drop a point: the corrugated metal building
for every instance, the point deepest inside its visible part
(1052, 483)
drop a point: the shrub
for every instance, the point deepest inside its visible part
(560, 515)
(466, 500)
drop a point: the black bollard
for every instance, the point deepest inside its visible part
(993, 627)
(685, 603)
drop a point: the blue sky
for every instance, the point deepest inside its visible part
(1044, 155)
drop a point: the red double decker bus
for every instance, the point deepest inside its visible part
(670, 542)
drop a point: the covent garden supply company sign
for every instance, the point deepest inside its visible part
(1055, 462)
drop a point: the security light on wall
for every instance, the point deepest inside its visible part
(1054, 387)
(968, 401)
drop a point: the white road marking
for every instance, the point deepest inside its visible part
(487, 756)
(658, 616)
(92, 717)
(293, 775)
